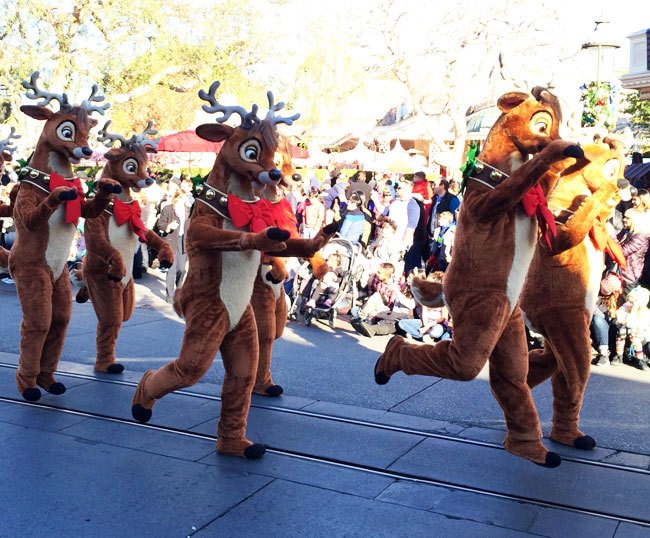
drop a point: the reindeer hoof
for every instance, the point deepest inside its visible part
(141, 414)
(56, 388)
(552, 460)
(255, 451)
(32, 394)
(115, 368)
(574, 151)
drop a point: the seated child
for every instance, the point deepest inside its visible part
(431, 324)
(322, 293)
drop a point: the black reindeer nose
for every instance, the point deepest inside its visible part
(87, 151)
(275, 175)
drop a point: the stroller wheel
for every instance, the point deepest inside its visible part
(308, 318)
(333, 318)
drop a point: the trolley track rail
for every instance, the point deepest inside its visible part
(641, 519)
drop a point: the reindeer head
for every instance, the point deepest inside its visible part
(604, 162)
(127, 163)
(6, 149)
(290, 177)
(245, 164)
(64, 139)
(526, 126)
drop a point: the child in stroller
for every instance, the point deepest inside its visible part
(313, 298)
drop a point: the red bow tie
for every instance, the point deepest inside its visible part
(72, 207)
(534, 203)
(606, 243)
(130, 213)
(284, 216)
(256, 214)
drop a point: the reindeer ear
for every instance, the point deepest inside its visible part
(113, 154)
(214, 132)
(37, 112)
(510, 100)
(6, 156)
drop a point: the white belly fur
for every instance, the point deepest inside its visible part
(596, 266)
(264, 270)
(60, 242)
(125, 242)
(239, 269)
(525, 242)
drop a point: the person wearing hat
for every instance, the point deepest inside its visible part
(603, 319)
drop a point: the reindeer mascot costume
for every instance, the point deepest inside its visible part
(562, 287)
(226, 233)
(269, 299)
(7, 210)
(49, 203)
(111, 242)
(495, 242)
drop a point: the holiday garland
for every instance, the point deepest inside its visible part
(598, 109)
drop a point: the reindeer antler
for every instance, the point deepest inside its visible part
(34, 92)
(5, 144)
(94, 98)
(140, 138)
(109, 139)
(248, 119)
(273, 108)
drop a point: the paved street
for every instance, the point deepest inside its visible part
(417, 457)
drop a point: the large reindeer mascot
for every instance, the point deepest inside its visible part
(268, 299)
(49, 203)
(111, 242)
(226, 233)
(7, 210)
(562, 287)
(495, 242)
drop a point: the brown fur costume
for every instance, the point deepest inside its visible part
(495, 241)
(7, 210)
(111, 245)
(44, 216)
(224, 257)
(562, 287)
(269, 298)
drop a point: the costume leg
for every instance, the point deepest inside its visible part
(573, 350)
(508, 373)
(477, 328)
(264, 306)
(128, 301)
(106, 297)
(53, 346)
(239, 352)
(541, 365)
(206, 325)
(34, 289)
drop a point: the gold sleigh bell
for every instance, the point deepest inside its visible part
(495, 175)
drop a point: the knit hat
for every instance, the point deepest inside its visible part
(611, 283)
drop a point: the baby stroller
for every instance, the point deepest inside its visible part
(313, 299)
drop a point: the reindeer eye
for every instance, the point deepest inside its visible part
(250, 151)
(611, 169)
(541, 123)
(130, 166)
(66, 130)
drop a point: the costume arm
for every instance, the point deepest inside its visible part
(95, 206)
(544, 168)
(165, 252)
(202, 234)
(577, 227)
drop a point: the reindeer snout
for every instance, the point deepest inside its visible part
(80, 153)
(272, 177)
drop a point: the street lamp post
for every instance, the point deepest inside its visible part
(600, 42)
